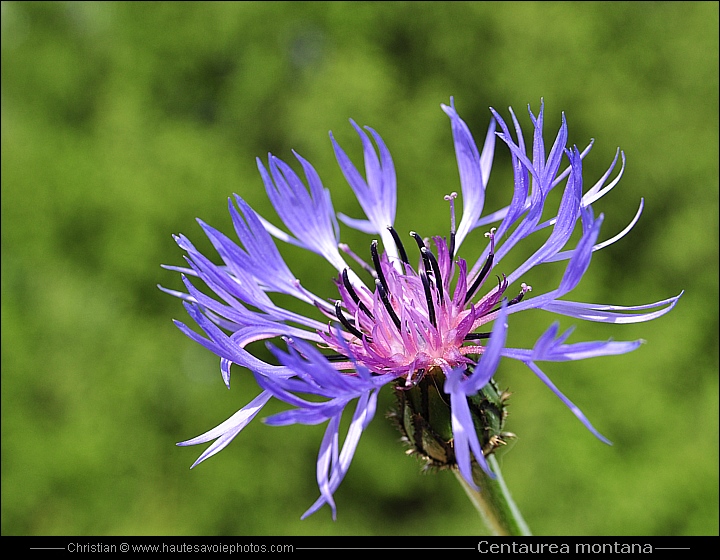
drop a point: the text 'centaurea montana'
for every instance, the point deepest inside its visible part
(436, 330)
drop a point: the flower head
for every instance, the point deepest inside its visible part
(420, 318)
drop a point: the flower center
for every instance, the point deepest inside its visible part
(411, 324)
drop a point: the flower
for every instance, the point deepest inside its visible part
(410, 326)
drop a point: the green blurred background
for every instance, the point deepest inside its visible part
(123, 122)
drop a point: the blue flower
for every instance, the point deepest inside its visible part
(391, 321)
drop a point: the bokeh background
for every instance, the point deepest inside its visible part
(124, 122)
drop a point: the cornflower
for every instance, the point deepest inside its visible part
(434, 330)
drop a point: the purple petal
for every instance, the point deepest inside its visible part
(617, 314)
(222, 345)
(377, 195)
(364, 412)
(597, 191)
(327, 456)
(574, 409)
(550, 348)
(464, 435)
(225, 432)
(564, 224)
(474, 170)
(564, 255)
(488, 363)
(308, 215)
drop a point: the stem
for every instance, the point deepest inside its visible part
(494, 502)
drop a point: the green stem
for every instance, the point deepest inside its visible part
(494, 502)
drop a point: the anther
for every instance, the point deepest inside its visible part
(418, 240)
(353, 294)
(423, 249)
(386, 302)
(399, 245)
(376, 262)
(336, 358)
(524, 288)
(477, 336)
(347, 324)
(428, 297)
(480, 278)
(428, 254)
(485, 269)
(365, 266)
(451, 199)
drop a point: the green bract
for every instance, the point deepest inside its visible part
(423, 416)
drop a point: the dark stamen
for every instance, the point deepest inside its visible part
(479, 280)
(347, 324)
(376, 262)
(418, 240)
(514, 300)
(436, 271)
(428, 297)
(353, 294)
(399, 245)
(423, 249)
(386, 302)
(477, 336)
(365, 266)
(451, 247)
(336, 358)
